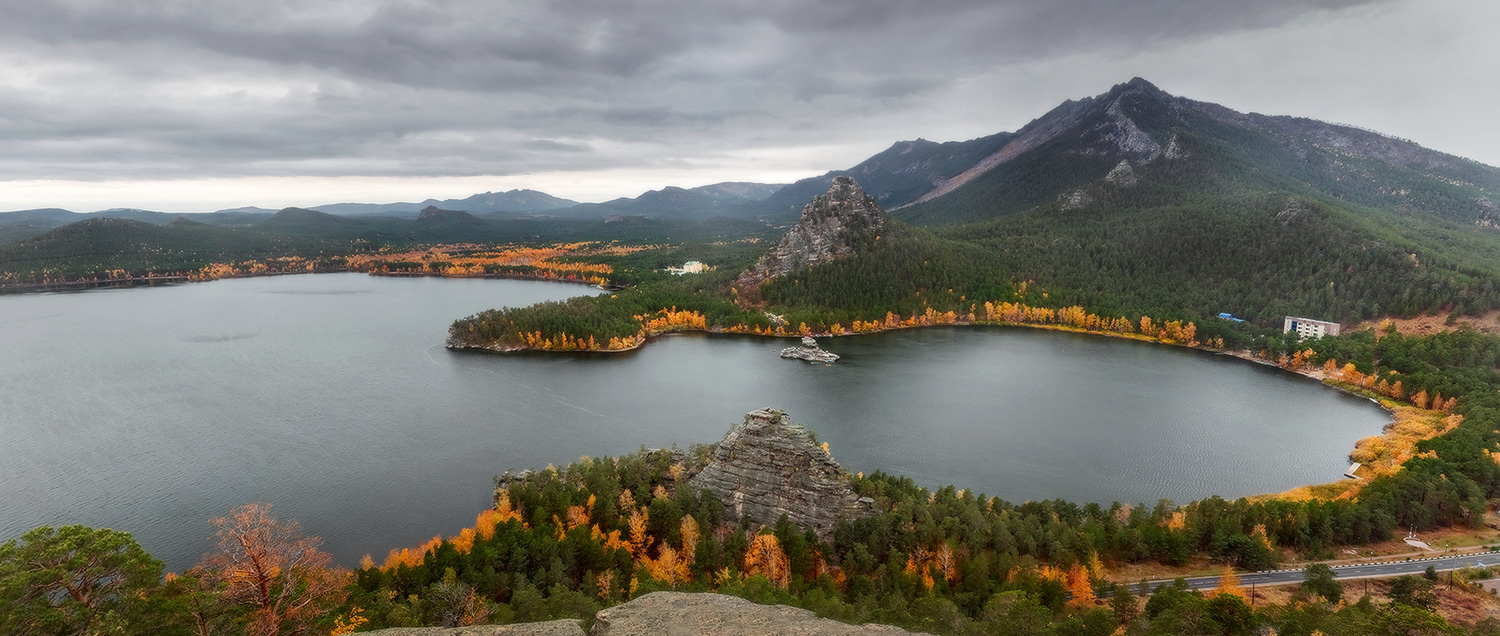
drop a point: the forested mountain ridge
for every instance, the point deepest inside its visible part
(1079, 142)
(1139, 201)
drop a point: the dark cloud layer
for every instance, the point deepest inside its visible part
(96, 89)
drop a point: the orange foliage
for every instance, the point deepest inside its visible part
(1229, 583)
(1080, 586)
(766, 558)
(638, 539)
(272, 569)
(667, 567)
(466, 260)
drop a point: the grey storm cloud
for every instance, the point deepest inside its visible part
(180, 88)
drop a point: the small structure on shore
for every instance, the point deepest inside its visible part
(1309, 329)
(808, 351)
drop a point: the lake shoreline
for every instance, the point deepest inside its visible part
(1387, 434)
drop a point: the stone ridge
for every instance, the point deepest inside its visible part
(672, 613)
(832, 225)
(767, 466)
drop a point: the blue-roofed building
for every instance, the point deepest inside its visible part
(1230, 317)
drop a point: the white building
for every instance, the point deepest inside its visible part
(690, 267)
(1308, 328)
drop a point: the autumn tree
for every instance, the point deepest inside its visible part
(1229, 583)
(1420, 399)
(1080, 587)
(668, 567)
(690, 534)
(639, 540)
(766, 558)
(270, 568)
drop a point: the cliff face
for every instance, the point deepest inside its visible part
(767, 466)
(831, 227)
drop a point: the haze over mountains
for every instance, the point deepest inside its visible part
(1133, 196)
(1127, 123)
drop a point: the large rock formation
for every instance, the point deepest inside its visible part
(671, 613)
(831, 227)
(767, 466)
(566, 627)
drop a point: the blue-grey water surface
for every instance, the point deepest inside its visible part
(153, 409)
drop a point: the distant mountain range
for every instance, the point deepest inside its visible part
(671, 203)
(518, 202)
(1133, 198)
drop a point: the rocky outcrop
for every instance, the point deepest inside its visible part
(1076, 200)
(1128, 138)
(809, 351)
(1122, 176)
(548, 628)
(434, 213)
(671, 613)
(1175, 149)
(674, 613)
(767, 466)
(831, 227)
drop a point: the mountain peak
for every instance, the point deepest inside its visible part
(832, 226)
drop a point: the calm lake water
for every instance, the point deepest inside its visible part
(151, 410)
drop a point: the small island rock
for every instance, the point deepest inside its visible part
(809, 351)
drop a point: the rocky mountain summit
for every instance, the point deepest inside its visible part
(767, 466)
(832, 226)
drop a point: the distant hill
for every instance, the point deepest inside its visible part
(731, 199)
(303, 220)
(434, 214)
(24, 224)
(513, 201)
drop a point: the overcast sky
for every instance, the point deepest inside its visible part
(197, 105)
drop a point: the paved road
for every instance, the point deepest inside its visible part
(1354, 571)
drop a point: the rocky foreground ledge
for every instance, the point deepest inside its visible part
(675, 613)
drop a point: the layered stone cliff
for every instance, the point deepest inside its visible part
(832, 226)
(767, 466)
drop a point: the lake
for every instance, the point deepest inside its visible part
(153, 409)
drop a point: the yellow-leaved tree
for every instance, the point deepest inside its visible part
(1229, 583)
(766, 558)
